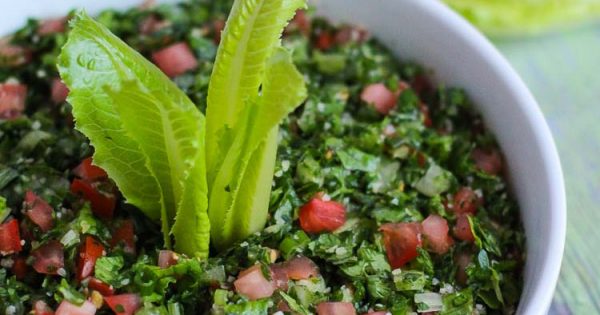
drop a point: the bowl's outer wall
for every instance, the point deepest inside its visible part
(430, 33)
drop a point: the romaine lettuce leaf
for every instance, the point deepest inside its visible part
(518, 17)
(242, 124)
(147, 134)
(238, 203)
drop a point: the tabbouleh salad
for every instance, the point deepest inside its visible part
(387, 195)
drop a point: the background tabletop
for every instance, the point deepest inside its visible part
(563, 72)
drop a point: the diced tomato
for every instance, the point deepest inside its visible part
(252, 284)
(11, 55)
(462, 229)
(38, 211)
(325, 41)
(380, 97)
(318, 216)
(466, 201)
(66, 308)
(59, 91)
(488, 161)
(462, 260)
(20, 267)
(49, 258)
(299, 268)
(167, 258)
(10, 238)
(124, 303)
(41, 308)
(52, 26)
(401, 241)
(435, 231)
(89, 252)
(280, 276)
(97, 285)
(12, 100)
(88, 171)
(103, 203)
(124, 236)
(336, 308)
(176, 59)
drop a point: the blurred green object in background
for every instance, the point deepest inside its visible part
(525, 17)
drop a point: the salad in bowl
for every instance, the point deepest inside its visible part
(244, 157)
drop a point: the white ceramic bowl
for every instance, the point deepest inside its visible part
(428, 32)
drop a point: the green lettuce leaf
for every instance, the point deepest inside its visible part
(238, 203)
(242, 125)
(146, 132)
(518, 17)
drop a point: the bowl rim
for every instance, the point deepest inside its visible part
(544, 291)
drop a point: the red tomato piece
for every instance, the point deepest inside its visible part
(41, 308)
(103, 203)
(12, 55)
(97, 285)
(66, 308)
(466, 201)
(299, 268)
(12, 100)
(52, 26)
(125, 304)
(280, 276)
(325, 41)
(435, 231)
(462, 229)
(88, 171)
(38, 211)
(252, 284)
(380, 97)
(336, 308)
(167, 258)
(488, 161)
(20, 267)
(59, 91)
(319, 216)
(49, 258)
(401, 241)
(10, 238)
(176, 59)
(89, 252)
(124, 236)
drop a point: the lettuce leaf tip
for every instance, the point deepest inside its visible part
(242, 124)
